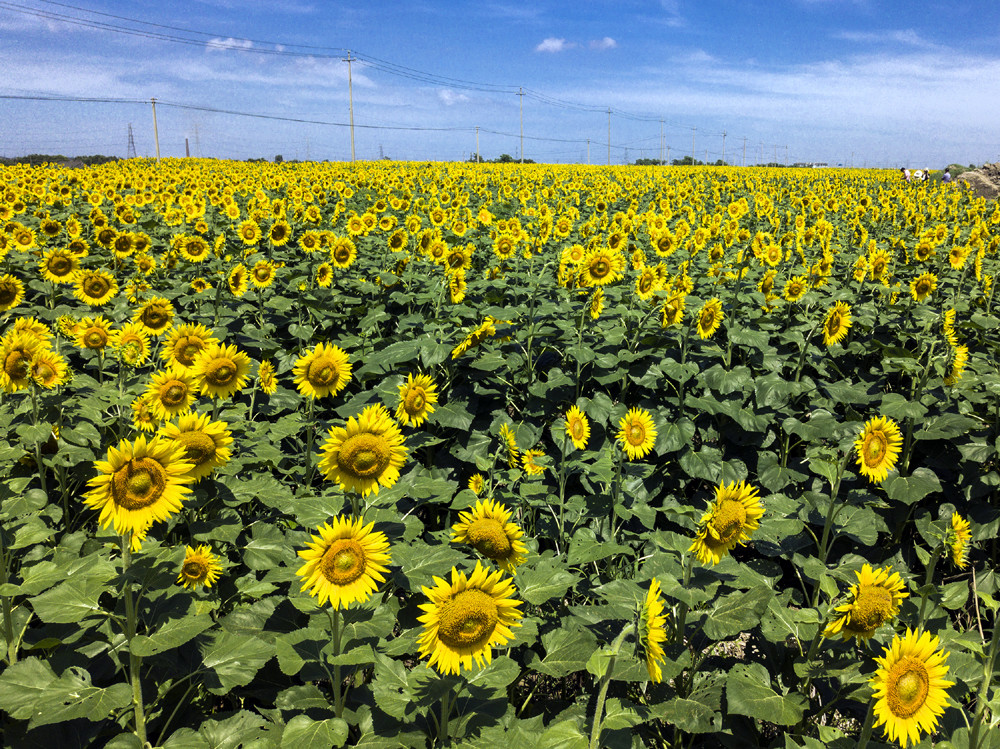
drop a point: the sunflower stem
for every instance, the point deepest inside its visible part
(595, 731)
(831, 513)
(683, 609)
(338, 697)
(866, 729)
(8, 620)
(310, 437)
(928, 579)
(446, 705)
(982, 699)
(134, 661)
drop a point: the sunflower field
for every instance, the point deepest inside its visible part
(410, 455)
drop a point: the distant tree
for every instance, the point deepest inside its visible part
(278, 159)
(647, 162)
(687, 161)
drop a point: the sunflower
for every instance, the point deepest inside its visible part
(139, 483)
(922, 286)
(601, 267)
(456, 287)
(205, 442)
(48, 369)
(156, 315)
(417, 397)
(577, 427)
(948, 327)
(220, 371)
(170, 392)
(94, 287)
(795, 288)
(959, 539)
(59, 266)
(709, 317)
(199, 285)
(732, 515)
(673, 309)
(647, 284)
(324, 371)
(477, 482)
(636, 433)
(184, 343)
(652, 631)
(487, 529)
(265, 378)
(910, 686)
(959, 360)
(280, 233)
(132, 340)
(510, 443)
(324, 275)
(345, 563)
(237, 280)
(530, 464)
(11, 292)
(194, 249)
(17, 349)
(343, 252)
(262, 274)
(596, 305)
(878, 448)
(466, 618)
(249, 232)
(93, 333)
(366, 454)
(143, 417)
(874, 601)
(200, 568)
(836, 323)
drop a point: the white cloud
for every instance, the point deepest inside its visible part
(898, 36)
(449, 97)
(672, 12)
(228, 43)
(553, 44)
(603, 44)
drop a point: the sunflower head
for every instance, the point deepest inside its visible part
(344, 563)
(959, 540)
(200, 568)
(365, 455)
(710, 316)
(577, 427)
(156, 315)
(324, 371)
(878, 447)
(872, 602)
(652, 631)
(836, 323)
(731, 517)
(205, 442)
(637, 433)
(221, 370)
(487, 529)
(417, 398)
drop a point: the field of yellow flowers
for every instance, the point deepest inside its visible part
(408, 455)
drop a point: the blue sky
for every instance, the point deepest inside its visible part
(861, 82)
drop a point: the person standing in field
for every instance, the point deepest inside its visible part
(946, 177)
(906, 173)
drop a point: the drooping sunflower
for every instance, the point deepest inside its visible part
(836, 323)
(636, 433)
(673, 309)
(709, 317)
(94, 333)
(17, 349)
(530, 464)
(170, 392)
(221, 370)
(653, 631)
(923, 286)
(344, 563)
(948, 327)
(156, 315)
(487, 529)
(200, 568)
(324, 371)
(185, 342)
(959, 360)
(365, 455)
(59, 266)
(417, 398)
(237, 280)
(324, 275)
(910, 688)
(205, 442)
(140, 482)
(577, 427)
(732, 516)
(601, 267)
(874, 600)
(959, 539)
(878, 447)
(477, 482)
(466, 618)
(48, 369)
(596, 303)
(266, 379)
(11, 292)
(132, 343)
(509, 441)
(94, 287)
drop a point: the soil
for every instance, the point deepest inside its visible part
(983, 182)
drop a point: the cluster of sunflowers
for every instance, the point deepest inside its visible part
(196, 292)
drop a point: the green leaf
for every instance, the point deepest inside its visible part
(748, 692)
(737, 612)
(566, 651)
(566, 734)
(703, 464)
(70, 602)
(947, 426)
(548, 579)
(171, 634)
(302, 732)
(584, 547)
(912, 488)
(233, 660)
(675, 435)
(690, 716)
(391, 687)
(454, 414)
(954, 595)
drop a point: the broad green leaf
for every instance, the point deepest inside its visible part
(546, 580)
(584, 547)
(70, 602)
(302, 732)
(566, 734)
(737, 612)
(749, 692)
(690, 716)
(233, 660)
(566, 651)
(912, 488)
(171, 634)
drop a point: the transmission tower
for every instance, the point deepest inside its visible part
(130, 152)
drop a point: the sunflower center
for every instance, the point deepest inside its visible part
(60, 266)
(872, 607)
(95, 339)
(576, 429)
(467, 620)
(138, 484)
(221, 372)
(174, 394)
(707, 319)
(342, 254)
(96, 287)
(187, 349)
(364, 455)
(343, 562)
(600, 269)
(194, 570)
(415, 401)
(874, 449)
(908, 684)
(43, 371)
(833, 325)
(16, 365)
(636, 434)
(487, 536)
(199, 448)
(155, 318)
(8, 293)
(322, 372)
(728, 520)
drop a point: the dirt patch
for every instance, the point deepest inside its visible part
(983, 182)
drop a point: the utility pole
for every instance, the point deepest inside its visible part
(786, 155)
(477, 144)
(668, 153)
(609, 136)
(775, 154)
(723, 147)
(197, 141)
(588, 151)
(187, 149)
(156, 133)
(350, 97)
(520, 92)
(744, 150)
(693, 131)
(661, 143)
